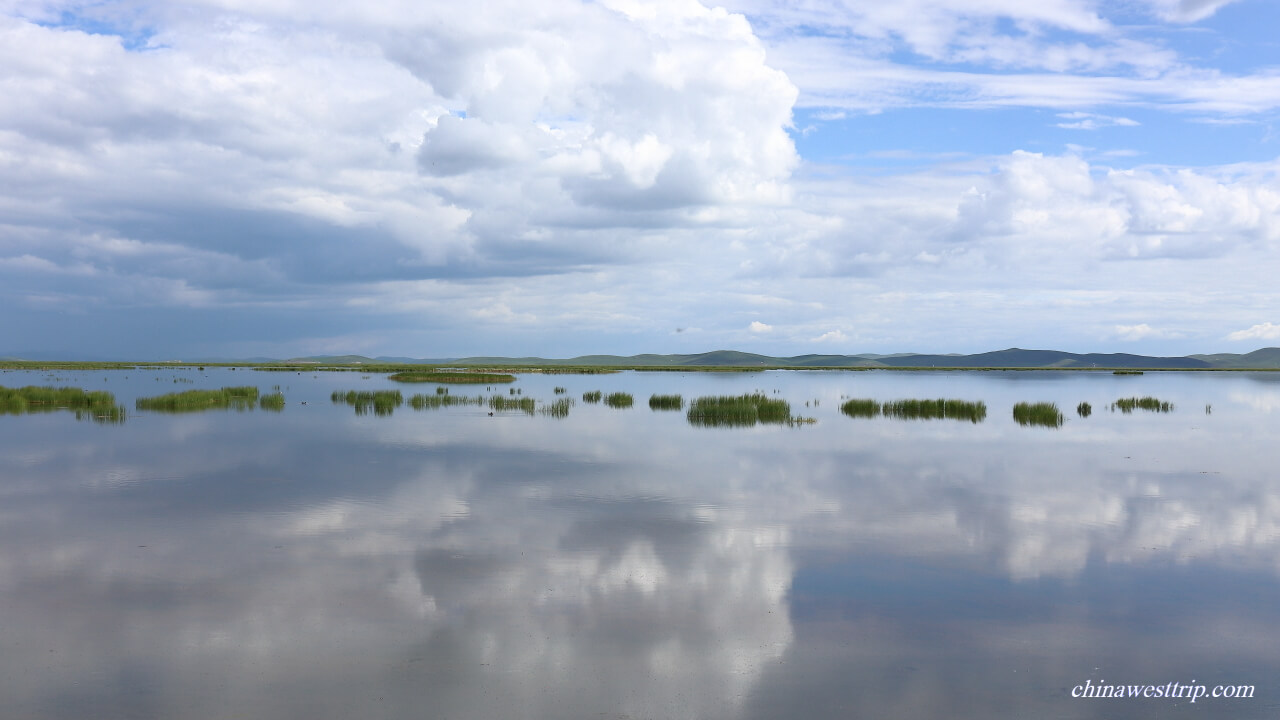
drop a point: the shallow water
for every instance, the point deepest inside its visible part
(623, 564)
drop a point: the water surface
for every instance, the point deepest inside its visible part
(625, 564)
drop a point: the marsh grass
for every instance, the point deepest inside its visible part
(1128, 405)
(558, 409)
(1084, 409)
(666, 402)
(592, 396)
(440, 400)
(560, 390)
(1126, 372)
(240, 397)
(452, 378)
(381, 402)
(974, 412)
(619, 400)
(1041, 413)
(525, 405)
(273, 402)
(738, 411)
(97, 405)
(861, 408)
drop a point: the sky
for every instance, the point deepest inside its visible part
(279, 178)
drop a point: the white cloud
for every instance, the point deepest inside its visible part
(758, 327)
(1186, 11)
(1261, 331)
(1093, 121)
(1143, 331)
(833, 336)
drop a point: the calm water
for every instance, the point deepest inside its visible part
(622, 564)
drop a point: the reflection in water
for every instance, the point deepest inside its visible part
(618, 564)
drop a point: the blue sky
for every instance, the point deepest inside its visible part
(218, 178)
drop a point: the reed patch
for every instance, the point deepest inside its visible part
(1044, 414)
(738, 411)
(380, 402)
(666, 402)
(241, 397)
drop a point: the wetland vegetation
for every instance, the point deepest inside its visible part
(273, 402)
(1084, 409)
(525, 405)
(452, 378)
(592, 396)
(381, 402)
(241, 397)
(557, 409)
(913, 409)
(738, 411)
(441, 400)
(619, 400)
(1045, 414)
(97, 405)
(666, 402)
(1128, 405)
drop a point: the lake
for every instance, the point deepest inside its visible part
(623, 563)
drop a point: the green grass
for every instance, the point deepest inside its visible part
(1041, 413)
(738, 411)
(274, 402)
(860, 408)
(561, 391)
(666, 402)
(240, 398)
(499, 403)
(1128, 405)
(453, 378)
(1126, 372)
(619, 400)
(381, 402)
(974, 412)
(96, 405)
(940, 409)
(557, 409)
(440, 400)
(1084, 409)
(592, 396)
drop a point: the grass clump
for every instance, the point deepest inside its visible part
(558, 409)
(666, 402)
(1084, 409)
(96, 405)
(240, 397)
(738, 411)
(452, 378)
(499, 403)
(1128, 405)
(1041, 413)
(439, 400)
(1126, 372)
(381, 402)
(273, 402)
(592, 396)
(619, 400)
(860, 408)
(560, 391)
(974, 412)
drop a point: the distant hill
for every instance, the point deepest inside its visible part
(1266, 358)
(1263, 359)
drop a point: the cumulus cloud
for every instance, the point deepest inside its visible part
(1261, 331)
(758, 327)
(1142, 331)
(832, 336)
